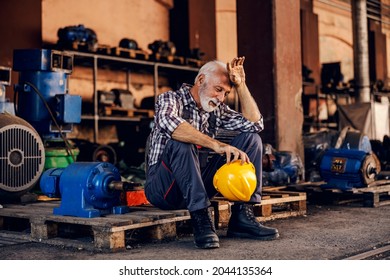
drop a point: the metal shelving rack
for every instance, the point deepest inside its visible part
(97, 61)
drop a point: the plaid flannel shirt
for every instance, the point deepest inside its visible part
(174, 107)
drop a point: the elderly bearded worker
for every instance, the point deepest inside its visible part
(189, 118)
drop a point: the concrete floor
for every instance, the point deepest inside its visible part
(327, 232)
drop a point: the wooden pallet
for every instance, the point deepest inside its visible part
(77, 46)
(129, 53)
(111, 111)
(275, 204)
(103, 49)
(106, 233)
(194, 62)
(221, 212)
(374, 195)
(172, 59)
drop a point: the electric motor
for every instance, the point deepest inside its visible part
(22, 156)
(346, 169)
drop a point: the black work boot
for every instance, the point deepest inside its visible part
(205, 236)
(243, 223)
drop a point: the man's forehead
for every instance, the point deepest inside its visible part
(220, 78)
(224, 82)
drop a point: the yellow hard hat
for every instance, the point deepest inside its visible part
(236, 181)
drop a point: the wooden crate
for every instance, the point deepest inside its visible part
(106, 233)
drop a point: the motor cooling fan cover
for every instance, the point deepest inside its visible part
(22, 156)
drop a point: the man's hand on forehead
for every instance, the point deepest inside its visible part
(236, 71)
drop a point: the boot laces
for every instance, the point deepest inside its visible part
(249, 213)
(203, 221)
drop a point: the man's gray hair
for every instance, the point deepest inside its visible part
(212, 67)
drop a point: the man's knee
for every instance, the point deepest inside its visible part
(249, 139)
(178, 147)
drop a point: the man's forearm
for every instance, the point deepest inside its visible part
(249, 108)
(188, 134)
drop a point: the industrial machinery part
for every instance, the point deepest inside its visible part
(87, 189)
(22, 156)
(124, 98)
(345, 169)
(43, 82)
(5, 80)
(316, 144)
(105, 153)
(127, 43)
(287, 169)
(94, 152)
(163, 48)
(78, 34)
(42, 95)
(58, 155)
(350, 138)
(107, 98)
(236, 181)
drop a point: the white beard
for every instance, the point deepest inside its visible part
(208, 104)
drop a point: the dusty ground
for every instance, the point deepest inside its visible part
(326, 232)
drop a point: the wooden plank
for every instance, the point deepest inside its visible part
(160, 232)
(222, 211)
(151, 223)
(283, 200)
(378, 189)
(155, 215)
(41, 230)
(379, 183)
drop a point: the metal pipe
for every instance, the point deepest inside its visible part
(360, 47)
(125, 186)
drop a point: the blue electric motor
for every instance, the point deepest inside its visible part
(345, 169)
(87, 189)
(43, 86)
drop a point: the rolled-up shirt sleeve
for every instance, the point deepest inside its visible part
(168, 115)
(232, 120)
